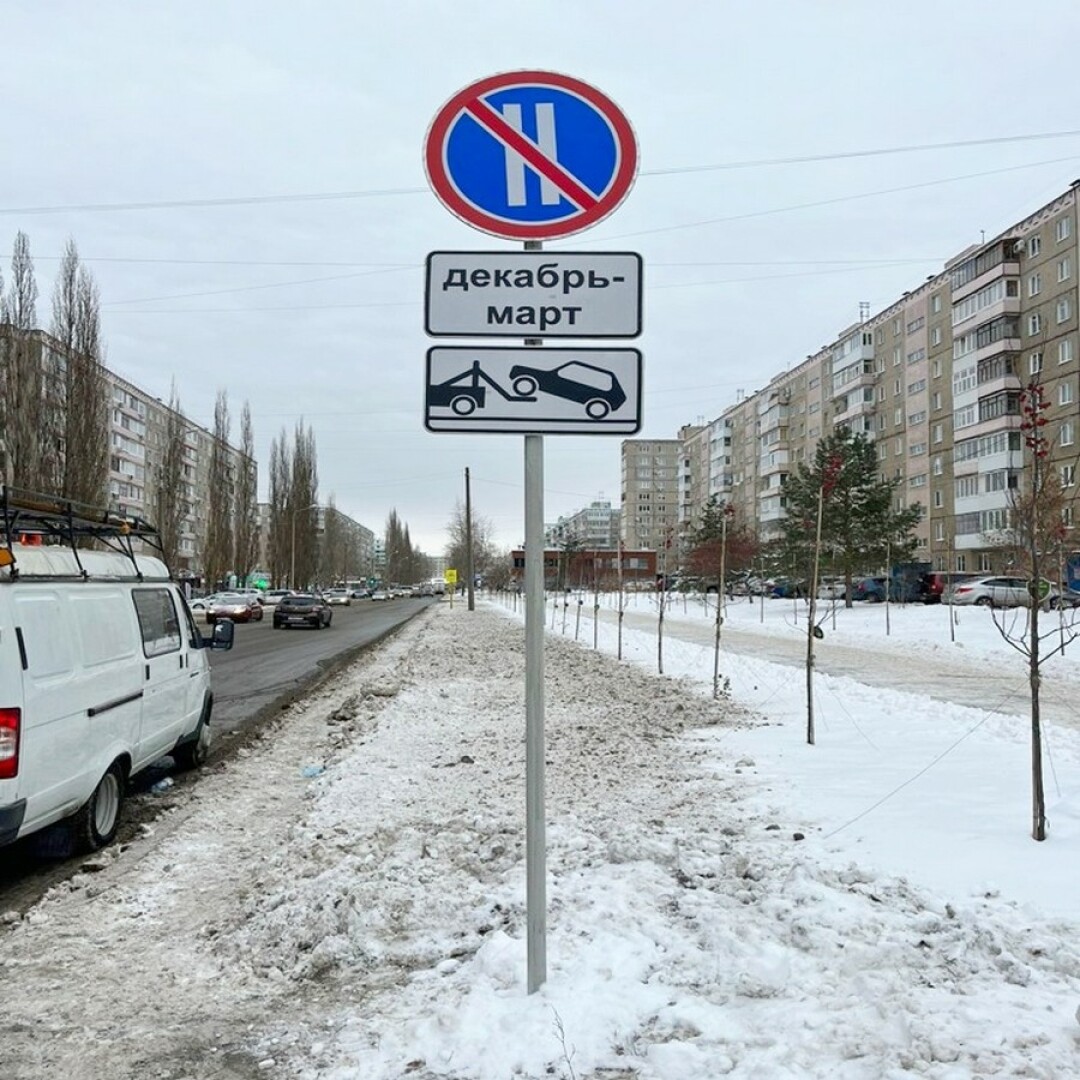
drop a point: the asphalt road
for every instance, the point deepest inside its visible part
(267, 667)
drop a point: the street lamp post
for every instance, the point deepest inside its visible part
(292, 560)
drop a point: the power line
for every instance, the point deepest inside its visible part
(370, 193)
(830, 202)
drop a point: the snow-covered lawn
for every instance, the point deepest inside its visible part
(347, 901)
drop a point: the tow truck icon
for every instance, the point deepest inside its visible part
(594, 387)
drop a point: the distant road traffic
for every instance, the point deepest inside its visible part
(266, 665)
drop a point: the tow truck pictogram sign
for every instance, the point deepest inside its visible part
(549, 391)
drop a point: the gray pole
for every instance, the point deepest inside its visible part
(535, 831)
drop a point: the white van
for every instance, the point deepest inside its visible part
(102, 671)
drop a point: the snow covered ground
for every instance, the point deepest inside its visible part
(347, 900)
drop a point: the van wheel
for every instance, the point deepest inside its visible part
(194, 754)
(96, 823)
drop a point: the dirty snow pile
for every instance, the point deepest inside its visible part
(348, 901)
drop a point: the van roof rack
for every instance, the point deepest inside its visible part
(37, 518)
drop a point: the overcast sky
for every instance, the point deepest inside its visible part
(312, 308)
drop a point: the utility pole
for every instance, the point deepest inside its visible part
(468, 541)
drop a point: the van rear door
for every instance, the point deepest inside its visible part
(56, 753)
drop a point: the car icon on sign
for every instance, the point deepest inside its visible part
(594, 387)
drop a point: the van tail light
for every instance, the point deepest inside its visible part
(9, 743)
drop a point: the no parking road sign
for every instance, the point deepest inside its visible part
(530, 155)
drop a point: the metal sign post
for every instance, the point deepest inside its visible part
(532, 156)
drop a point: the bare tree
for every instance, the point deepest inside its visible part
(245, 515)
(1037, 535)
(86, 416)
(333, 564)
(170, 500)
(21, 378)
(280, 499)
(302, 506)
(486, 557)
(218, 550)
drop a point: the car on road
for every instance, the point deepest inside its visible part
(1005, 592)
(594, 387)
(201, 603)
(272, 596)
(302, 609)
(380, 594)
(338, 597)
(236, 607)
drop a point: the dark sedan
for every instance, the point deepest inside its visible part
(302, 609)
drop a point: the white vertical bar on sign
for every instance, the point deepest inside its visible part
(545, 137)
(515, 163)
(535, 814)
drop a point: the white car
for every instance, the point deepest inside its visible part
(380, 594)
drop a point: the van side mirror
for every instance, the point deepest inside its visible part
(223, 634)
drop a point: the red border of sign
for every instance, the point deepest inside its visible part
(617, 190)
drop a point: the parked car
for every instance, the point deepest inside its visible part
(871, 589)
(937, 583)
(831, 589)
(236, 607)
(338, 597)
(302, 609)
(788, 587)
(1004, 592)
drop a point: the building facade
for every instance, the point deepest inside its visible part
(594, 526)
(935, 379)
(650, 493)
(137, 424)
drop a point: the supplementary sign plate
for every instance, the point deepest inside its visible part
(533, 294)
(533, 391)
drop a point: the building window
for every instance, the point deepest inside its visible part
(1034, 323)
(898, 386)
(1065, 393)
(935, 303)
(1066, 437)
(1068, 476)
(1064, 269)
(1034, 284)
(939, 526)
(1063, 229)
(938, 433)
(935, 400)
(1067, 516)
(916, 356)
(916, 324)
(1035, 363)
(1063, 309)
(1065, 351)
(1034, 245)
(897, 417)
(939, 501)
(937, 467)
(881, 393)
(897, 355)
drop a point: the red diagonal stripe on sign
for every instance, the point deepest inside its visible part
(492, 121)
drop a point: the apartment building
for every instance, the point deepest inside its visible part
(595, 526)
(935, 379)
(137, 426)
(650, 492)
